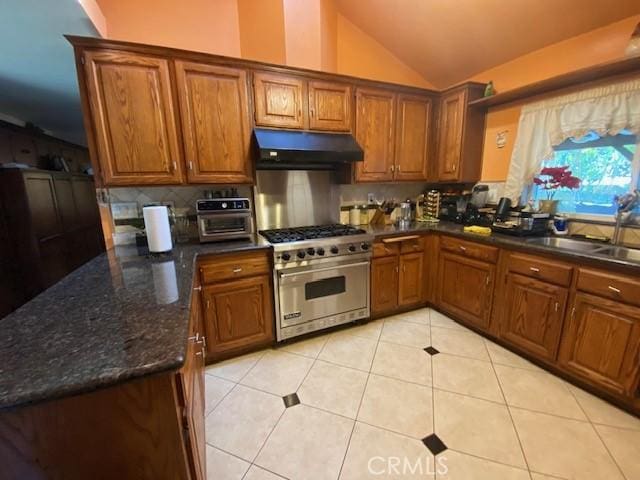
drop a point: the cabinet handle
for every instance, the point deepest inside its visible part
(488, 281)
(201, 352)
(463, 249)
(195, 338)
(534, 269)
(573, 313)
(208, 304)
(397, 269)
(392, 168)
(404, 268)
(197, 289)
(175, 166)
(557, 306)
(190, 165)
(237, 270)
(398, 168)
(614, 289)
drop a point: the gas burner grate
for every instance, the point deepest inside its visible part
(282, 235)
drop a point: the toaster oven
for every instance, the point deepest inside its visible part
(224, 219)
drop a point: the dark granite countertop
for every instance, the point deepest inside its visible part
(120, 316)
(499, 239)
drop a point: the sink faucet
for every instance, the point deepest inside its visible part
(624, 204)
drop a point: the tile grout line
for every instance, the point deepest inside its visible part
(364, 390)
(433, 393)
(513, 423)
(604, 444)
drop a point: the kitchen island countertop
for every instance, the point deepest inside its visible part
(120, 316)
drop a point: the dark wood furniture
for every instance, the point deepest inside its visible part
(148, 428)
(52, 226)
(397, 274)
(460, 135)
(157, 115)
(237, 302)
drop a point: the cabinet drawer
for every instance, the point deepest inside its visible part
(234, 266)
(381, 249)
(412, 246)
(609, 285)
(542, 269)
(470, 249)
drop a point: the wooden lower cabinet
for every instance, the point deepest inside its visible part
(384, 284)
(601, 343)
(238, 315)
(411, 279)
(465, 288)
(532, 314)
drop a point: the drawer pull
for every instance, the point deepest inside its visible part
(197, 289)
(614, 289)
(557, 306)
(534, 269)
(237, 270)
(463, 249)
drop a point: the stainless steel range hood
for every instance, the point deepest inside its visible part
(287, 150)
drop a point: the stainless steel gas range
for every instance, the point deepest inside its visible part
(321, 277)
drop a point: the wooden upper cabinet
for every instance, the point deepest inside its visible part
(133, 117)
(374, 132)
(461, 135)
(413, 137)
(452, 107)
(601, 343)
(279, 100)
(216, 123)
(330, 106)
(532, 316)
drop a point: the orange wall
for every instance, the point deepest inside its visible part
(206, 25)
(262, 35)
(597, 46)
(361, 56)
(302, 33)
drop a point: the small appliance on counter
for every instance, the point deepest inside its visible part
(479, 195)
(428, 206)
(224, 219)
(521, 223)
(406, 214)
(451, 205)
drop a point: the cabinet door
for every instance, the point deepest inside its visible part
(279, 100)
(84, 194)
(238, 314)
(43, 207)
(452, 109)
(329, 106)
(466, 288)
(410, 284)
(384, 284)
(133, 118)
(216, 123)
(65, 202)
(412, 137)
(374, 132)
(533, 314)
(601, 343)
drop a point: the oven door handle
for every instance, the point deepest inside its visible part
(326, 269)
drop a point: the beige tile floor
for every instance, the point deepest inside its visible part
(370, 394)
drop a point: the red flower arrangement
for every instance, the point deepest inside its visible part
(557, 177)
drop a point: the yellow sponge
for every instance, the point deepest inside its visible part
(478, 230)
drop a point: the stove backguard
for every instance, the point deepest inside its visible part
(285, 199)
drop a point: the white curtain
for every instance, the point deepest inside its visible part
(605, 110)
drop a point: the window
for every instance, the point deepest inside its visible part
(603, 165)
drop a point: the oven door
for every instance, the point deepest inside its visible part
(322, 291)
(220, 226)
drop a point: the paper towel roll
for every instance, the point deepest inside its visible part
(156, 224)
(165, 283)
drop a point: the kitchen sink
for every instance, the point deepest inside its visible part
(621, 253)
(566, 243)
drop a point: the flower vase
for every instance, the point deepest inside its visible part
(548, 206)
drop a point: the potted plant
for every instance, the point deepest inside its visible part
(550, 180)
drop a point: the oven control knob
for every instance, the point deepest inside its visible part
(320, 251)
(352, 248)
(311, 251)
(365, 246)
(301, 254)
(286, 256)
(334, 250)
(223, 204)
